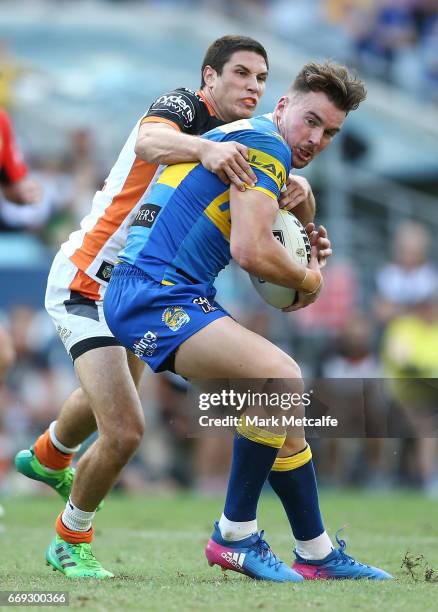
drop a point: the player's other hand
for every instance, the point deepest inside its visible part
(304, 299)
(297, 191)
(229, 161)
(319, 238)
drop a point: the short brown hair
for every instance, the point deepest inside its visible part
(344, 89)
(220, 51)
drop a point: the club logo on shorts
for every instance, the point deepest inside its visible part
(146, 345)
(205, 305)
(175, 317)
(105, 271)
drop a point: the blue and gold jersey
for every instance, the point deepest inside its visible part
(183, 232)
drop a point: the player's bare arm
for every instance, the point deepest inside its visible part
(255, 249)
(160, 143)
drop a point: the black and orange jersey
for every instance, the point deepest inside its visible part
(94, 247)
(189, 111)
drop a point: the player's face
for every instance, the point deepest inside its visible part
(308, 123)
(236, 92)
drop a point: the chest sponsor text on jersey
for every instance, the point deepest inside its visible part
(179, 104)
(146, 215)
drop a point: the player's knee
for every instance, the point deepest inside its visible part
(133, 433)
(122, 447)
(79, 399)
(290, 374)
(122, 438)
(288, 369)
(130, 442)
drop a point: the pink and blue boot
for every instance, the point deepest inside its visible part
(251, 556)
(337, 565)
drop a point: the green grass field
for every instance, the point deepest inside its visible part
(155, 545)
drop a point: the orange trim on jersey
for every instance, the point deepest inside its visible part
(151, 119)
(210, 109)
(86, 286)
(136, 183)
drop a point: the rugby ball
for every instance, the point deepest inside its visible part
(293, 236)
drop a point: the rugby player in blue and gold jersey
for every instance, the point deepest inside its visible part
(161, 304)
(234, 71)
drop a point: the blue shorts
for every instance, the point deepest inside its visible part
(153, 320)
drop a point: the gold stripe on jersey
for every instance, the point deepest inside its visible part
(268, 164)
(173, 175)
(220, 218)
(264, 190)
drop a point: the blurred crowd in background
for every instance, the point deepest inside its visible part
(377, 317)
(395, 40)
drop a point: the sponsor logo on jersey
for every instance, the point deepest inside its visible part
(105, 271)
(175, 317)
(146, 345)
(204, 304)
(272, 166)
(146, 215)
(179, 104)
